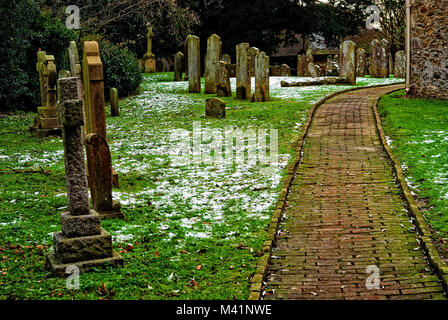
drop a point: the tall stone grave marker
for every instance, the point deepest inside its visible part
(178, 66)
(243, 79)
(361, 62)
(223, 88)
(261, 78)
(348, 61)
(83, 243)
(213, 55)
(114, 110)
(98, 153)
(194, 64)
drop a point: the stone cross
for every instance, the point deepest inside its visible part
(82, 242)
(98, 153)
(149, 37)
(400, 65)
(114, 110)
(178, 66)
(213, 55)
(261, 78)
(223, 88)
(243, 78)
(194, 64)
(348, 61)
(361, 62)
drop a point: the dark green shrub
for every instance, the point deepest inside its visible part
(121, 69)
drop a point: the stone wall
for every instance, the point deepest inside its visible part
(429, 48)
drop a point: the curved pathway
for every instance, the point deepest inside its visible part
(346, 221)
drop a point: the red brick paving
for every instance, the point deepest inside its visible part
(346, 213)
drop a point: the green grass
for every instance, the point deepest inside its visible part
(418, 129)
(179, 217)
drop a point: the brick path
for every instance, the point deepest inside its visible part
(345, 213)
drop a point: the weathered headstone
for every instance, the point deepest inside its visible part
(194, 64)
(302, 65)
(243, 79)
(261, 78)
(253, 52)
(274, 71)
(379, 59)
(313, 70)
(215, 108)
(223, 88)
(226, 58)
(361, 62)
(213, 55)
(178, 66)
(285, 70)
(348, 61)
(332, 67)
(83, 242)
(114, 110)
(149, 58)
(98, 153)
(400, 65)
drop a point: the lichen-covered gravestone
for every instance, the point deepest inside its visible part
(98, 153)
(178, 66)
(348, 61)
(223, 88)
(361, 62)
(243, 79)
(194, 64)
(253, 52)
(400, 65)
(215, 108)
(379, 59)
(213, 55)
(261, 78)
(285, 70)
(83, 243)
(114, 110)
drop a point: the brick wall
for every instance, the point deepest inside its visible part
(429, 48)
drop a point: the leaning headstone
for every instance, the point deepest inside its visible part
(213, 55)
(83, 243)
(313, 70)
(361, 62)
(178, 66)
(348, 61)
(400, 65)
(215, 108)
(379, 59)
(261, 78)
(223, 88)
(98, 153)
(253, 52)
(149, 58)
(194, 64)
(285, 70)
(226, 58)
(243, 79)
(114, 110)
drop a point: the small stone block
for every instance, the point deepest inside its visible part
(215, 108)
(80, 226)
(50, 123)
(78, 249)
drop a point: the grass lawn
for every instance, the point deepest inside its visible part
(418, 133)
(192, 232)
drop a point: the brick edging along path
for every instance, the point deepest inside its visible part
(346, 216)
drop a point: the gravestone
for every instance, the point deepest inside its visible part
(159, 65)
(98, 153)
(400, 65)
(274, 71)
(332, 67)
(302, 65)
(149, 58)
(361, 62)
(83, 242)
(223, 88)
(379, 59)
(348, 61)
(261, 78)
(114, 110)
(40, 66)
(243, 79)
(231, 68)
(215, 108)
(194, 64)
(213, 55)
(313, 70)
(178, 66)
(226, 58)
(253, 52)
(285, 70)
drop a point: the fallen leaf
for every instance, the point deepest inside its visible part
(198, 267)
